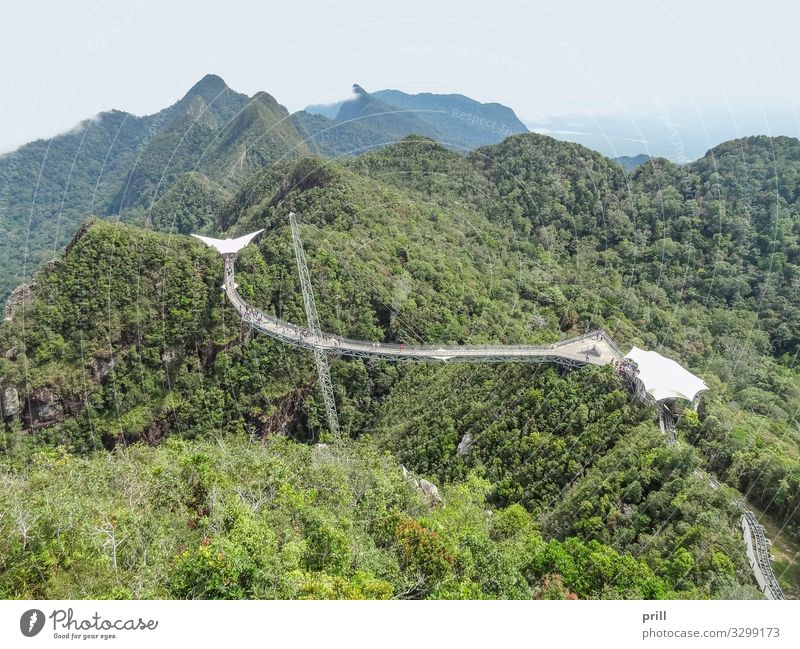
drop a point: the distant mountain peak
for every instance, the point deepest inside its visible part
(631, 162)
(270, 102)
(209, 88)
(457, 120)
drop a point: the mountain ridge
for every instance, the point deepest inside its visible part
(117, 164)
(459, 121)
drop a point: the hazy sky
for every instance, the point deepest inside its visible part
(669, 61)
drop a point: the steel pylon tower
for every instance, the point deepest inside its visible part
(323, 371)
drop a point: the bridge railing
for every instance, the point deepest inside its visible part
(591, 335)
(334, 342)
(615, 348)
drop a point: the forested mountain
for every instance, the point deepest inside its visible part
(120, 165)
(49, 187)
(394, 121)
(132, 390)
(463, 121)
(223, 134)
(455, 120)
(108, 162)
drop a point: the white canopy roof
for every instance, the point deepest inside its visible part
(227, 246)
(663, 378)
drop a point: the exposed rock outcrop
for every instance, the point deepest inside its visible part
(464, 445)
(43, 408)
(19, 297)
(429, 490)
(101, 367)
(284, 412)
(9, 402)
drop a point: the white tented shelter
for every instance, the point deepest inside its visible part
(663, 378)
(228, 246)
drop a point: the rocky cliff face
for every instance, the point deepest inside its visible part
(9, 402)
(19, 297)
(101, 367)
(43, 407)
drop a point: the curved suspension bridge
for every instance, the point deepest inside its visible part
(593, 348)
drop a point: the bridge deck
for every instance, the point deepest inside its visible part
(757, 547)
(594, 348)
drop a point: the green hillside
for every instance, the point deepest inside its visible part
(128, 342)
(191, 204)
(224, 134)
(235, 520)
(49, 187)
(119, 166)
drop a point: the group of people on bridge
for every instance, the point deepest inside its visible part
(292, 331)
